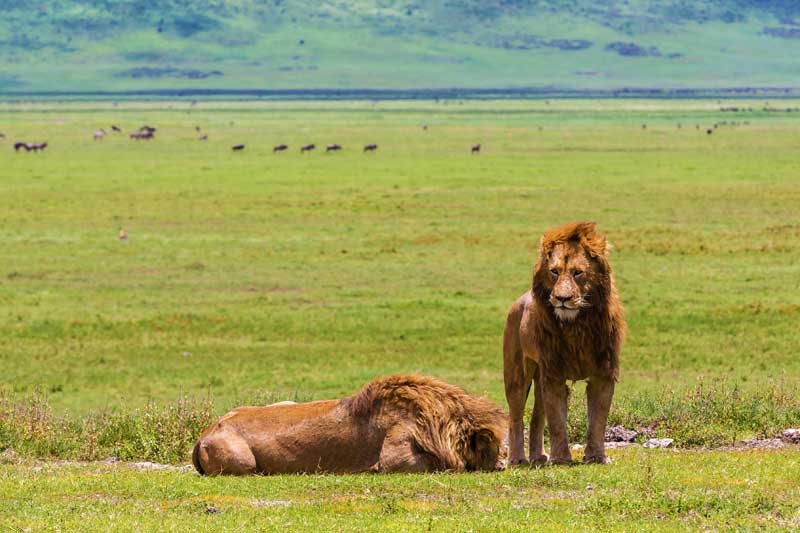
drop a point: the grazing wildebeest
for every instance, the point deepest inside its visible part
(370, 147)
(709, 131)
(2, 135)
(17, 146)
(425, 127)
(644, 126)
(238, 148)
(307, 148)
(146, 135)
(38, 147)
(333, 148)
(147, 129)
(203, 137)
(476, 149)
(116, 128)
(99, 134)
(197, 128)
(280, 148)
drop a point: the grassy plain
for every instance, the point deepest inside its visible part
(254, 276)
(643, 490)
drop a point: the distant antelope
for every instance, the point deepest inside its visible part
(2, 135)
(280, 148)
(147, 129)
(203, 137)
(333, 148)
(370, 147)
(307, 148)
(476, 149)
(99, 134)
(116, 128)
(17, 146)
(238, 148)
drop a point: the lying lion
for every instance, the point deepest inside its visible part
(399, 423)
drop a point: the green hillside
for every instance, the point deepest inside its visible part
(116, 45)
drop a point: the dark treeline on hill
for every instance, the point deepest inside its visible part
(579, 44)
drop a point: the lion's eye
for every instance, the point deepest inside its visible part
(554, 272)
(577, 274)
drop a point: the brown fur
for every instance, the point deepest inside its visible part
(569, 326)
(398, 423)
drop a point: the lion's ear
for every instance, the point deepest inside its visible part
(585, 230)
(598, 246)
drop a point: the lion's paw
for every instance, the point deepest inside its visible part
(561, 461)
(597, 460)
(541, 460)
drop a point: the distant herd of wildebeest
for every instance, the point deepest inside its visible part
(147, 133)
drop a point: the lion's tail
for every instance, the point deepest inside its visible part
(196, 459)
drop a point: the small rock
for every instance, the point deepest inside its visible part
(271, 503)
(147, 465)
(615, 445)
(620, 434)
(791, 435)
(763, 444)
(658, 443)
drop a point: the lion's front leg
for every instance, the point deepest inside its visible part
(536, 441)
(554, 394)
(599, 392)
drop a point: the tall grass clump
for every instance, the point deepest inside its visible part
(153, 433)
(708, 414)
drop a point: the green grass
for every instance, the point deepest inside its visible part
(651, 490)
(308, 275)
(254, 277)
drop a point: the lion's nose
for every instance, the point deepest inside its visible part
(562, 299)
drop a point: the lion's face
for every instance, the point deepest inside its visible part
(487, 451)
(568, 270)
(572, 274)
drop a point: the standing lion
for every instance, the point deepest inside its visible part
(569, 326)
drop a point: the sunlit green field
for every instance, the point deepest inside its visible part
(255, 276)
(251, 273)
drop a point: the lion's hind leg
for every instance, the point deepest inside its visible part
(517, 379)
(225, 452)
